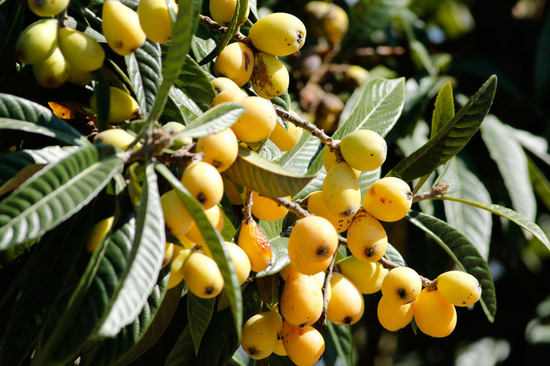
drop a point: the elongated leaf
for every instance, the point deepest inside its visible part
(342, 342)
(102, 92)
(451, 139)
(214, 120)
(194, 82)
(541, 184)
(393, 255)
(510, 158)
(55, 193)
(15, 111)
(199, 313)
(180, 107)
(265, 177)
(538, 145)
(444, 109)
(514, 216)
(463, 253)
(298, 159)
(147, 257)
(145, 72)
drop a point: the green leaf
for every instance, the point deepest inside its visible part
(516, 217)
(24, 115)
(463, 253)
(145, 72)
(541, 184)
(298, 159)
(393, 255)
(212, 121)
(55, 193)
(448, 141)
(444, 109)
(194, 82)
(102, 92)
(199, 313)
(264, 176)
(342, 342)
(180, 107)
(510, 158)
(279, 248)
(147, 256)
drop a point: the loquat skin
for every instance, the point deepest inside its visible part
(220, 149)
(174, 128)
(269, 76)
(179, 259)
(364, 150)
(116, 137)
(260, 334)
(303, 265)
(222, 11)
(240, 261)
(37, 42)
(278, 34)
(328, 20)
(122, 106)
(215, 216)
(204, 182)
(202, 276)
(168, 254)
(257, 121)
(301, 301)
(367, 238)
(80, 49)
(47, 8)
(235, 62)
(367, 276)
(121, 28)
(176, 216)
(256, 245)
(229, 95)
(341, 192)
(79, 77)
(401, 285)
(392, 316)
(231, 191)
(314, 238)
(286, 139)
(346, 305)
(154, 18)
(434, 315)
(458, 287)
(304, 345)
(264, 208)
(329, 159)
(53, 71)
(388, 199)
(98, 232)
(316, 206)
(222, 83)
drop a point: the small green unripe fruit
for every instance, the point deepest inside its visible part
(236, 62)
(222, 11)
(202, 276)
(80, 49)
(53, 71)
(122, 106)
(459, 288)
(260, 334)
(154, 18)
(367, 276)
(37, 42)
(434, 315)
(204, 182)
(116, 137)
(394, 316)
(401, 285)
(220, 149)
(315, 238)
(173, 128)
(121, 27)
(341, 191)
(367, 238)
(346, 304)
(364, 150)
(257, 121)
(302, 299)
(304, 345)
(47, 8)
(388, 199)
(270, 77)
(286, 139)
(279, 34)
(98, 232)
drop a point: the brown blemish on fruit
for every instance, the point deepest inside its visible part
(247, 61)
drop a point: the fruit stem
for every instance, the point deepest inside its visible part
(216, 27)
(426, 282)
(247, 205)
(438, 191)
(292, 206)
(328, 275)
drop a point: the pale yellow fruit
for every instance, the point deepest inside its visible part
(264, 208)
(98, 232)
(315, 238)
(367, 238)
(270, 77)
(280, 348)
(231, 191)
(179, 259)
(222, 83)
(301, 302)
(346, 304)
(257, 121)
(388, 199)
(174, 128)
(329, 159)
(304, 345)
(122, 106)
(116, 137)
(459, 288)
(367, 276)
(220, 149)
(80, 49)
(204, 182)
(316, 206)
(303, 265)
(401, 285)
(394, 316)
(434, 315)
(202, 276)
(215, 216)
(260, 334)
(364, 150)
(47, 8)
(37, 42)
(236, 62)
(155, 20)
(229, 95)
(176, 216)
(168, 254)
(341, 191)
(286, 139)
(121, 28)
(240, 261)
(329, 21)
(256, 245)
(222, 11)
(278, 34)
(53, 71)
(79, 77)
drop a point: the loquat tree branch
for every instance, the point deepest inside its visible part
(437, 192)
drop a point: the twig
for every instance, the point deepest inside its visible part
(437, 192)
(426, 282)
(247, 205)
(216, 27)
(328, 275)
(292, 206)
(306, 125)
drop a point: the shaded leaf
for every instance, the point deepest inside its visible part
(199, 313)
(194, 82)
